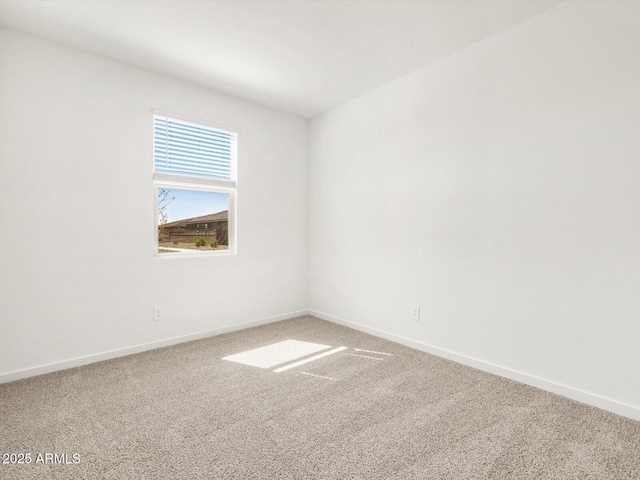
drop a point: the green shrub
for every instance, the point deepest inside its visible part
(175, 243)
(213, 243)
(201, 242)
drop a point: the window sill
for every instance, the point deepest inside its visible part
(222, 253)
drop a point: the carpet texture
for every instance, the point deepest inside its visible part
(183, 412)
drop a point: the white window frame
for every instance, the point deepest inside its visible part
(200, 184)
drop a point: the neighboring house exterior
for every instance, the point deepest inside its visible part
(215, 225)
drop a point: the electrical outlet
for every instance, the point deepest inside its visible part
(414, 312)
(158, 314)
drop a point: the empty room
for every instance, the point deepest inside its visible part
(318, 239)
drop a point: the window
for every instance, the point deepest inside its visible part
(194, 179)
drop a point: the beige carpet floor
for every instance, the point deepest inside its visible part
(183, 412)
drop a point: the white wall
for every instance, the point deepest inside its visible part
(499, 189)
(77, 276)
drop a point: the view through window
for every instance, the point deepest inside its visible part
(190, 220)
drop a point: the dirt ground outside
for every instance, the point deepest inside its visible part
(167, 247)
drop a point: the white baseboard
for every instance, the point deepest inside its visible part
(121, 352)
(604, 403)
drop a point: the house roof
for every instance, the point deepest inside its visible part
(211, 218)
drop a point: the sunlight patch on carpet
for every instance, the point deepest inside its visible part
(372, 351)
(310, 359)
(364, 356)
(276, 353)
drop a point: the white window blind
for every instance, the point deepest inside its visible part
(184, 148)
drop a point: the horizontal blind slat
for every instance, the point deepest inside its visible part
(169, 152)
(194, 133)
(191, 167)
(163, 130)
(198, 174)
(164, 143)
(187, 149)
(170, 122)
